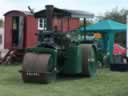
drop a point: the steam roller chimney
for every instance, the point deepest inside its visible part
(49, 14)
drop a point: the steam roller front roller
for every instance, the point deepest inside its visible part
(37, 67)
(89, 60)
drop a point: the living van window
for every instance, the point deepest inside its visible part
(42, 24)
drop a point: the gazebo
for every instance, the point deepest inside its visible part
(107, 28)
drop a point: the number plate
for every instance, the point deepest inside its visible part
(32, 74)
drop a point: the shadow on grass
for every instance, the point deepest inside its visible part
(17, 80)
(61, 78)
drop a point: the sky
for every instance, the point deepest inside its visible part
(98, 7)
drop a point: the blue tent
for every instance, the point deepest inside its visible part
(108, 28)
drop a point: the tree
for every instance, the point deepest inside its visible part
(115, 14)
(1, 22)
(88, 22)
(119, 16)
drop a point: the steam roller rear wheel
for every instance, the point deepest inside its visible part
(89, 60)
(35, 67)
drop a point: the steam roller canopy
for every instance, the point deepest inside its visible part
(89, 60)
(36, 67)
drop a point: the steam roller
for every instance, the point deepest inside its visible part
(61, 55)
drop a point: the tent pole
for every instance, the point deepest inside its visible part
(127, 37)
(110, 45)
(84, 28)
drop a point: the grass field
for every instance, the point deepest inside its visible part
(106, 83)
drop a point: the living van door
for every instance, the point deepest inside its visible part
(21, 32)
(17, 31)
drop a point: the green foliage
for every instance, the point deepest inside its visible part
(106, 83)
(115, 14)
(88, 22)
(1, 22)
(119, 16)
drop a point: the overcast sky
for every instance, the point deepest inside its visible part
(97, 7)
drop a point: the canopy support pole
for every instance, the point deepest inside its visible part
(84, 28)
(110, 45)
(127, 36)
(105, 42)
